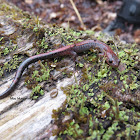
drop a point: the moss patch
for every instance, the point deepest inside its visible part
(103, 104)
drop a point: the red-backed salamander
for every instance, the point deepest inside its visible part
(104, 50)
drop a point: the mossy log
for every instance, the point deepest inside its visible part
(23, 35)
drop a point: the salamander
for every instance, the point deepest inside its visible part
(72, 50)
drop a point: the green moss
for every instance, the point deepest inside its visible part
(38, 76)
(111, 131)
(11, 65)
(91, 109)
(97, 105)
(1, 38)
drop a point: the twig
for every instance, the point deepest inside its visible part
(78, 14)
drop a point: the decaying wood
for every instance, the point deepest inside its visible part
(21, 117)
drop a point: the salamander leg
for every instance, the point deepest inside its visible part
(73, 55)
(101, 56)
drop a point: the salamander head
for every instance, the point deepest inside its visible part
(112, 59)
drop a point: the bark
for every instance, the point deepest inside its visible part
(23, 35)
(20, 116)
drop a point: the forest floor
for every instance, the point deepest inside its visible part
(98, 16)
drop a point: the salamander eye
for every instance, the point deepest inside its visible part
(110, 61)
